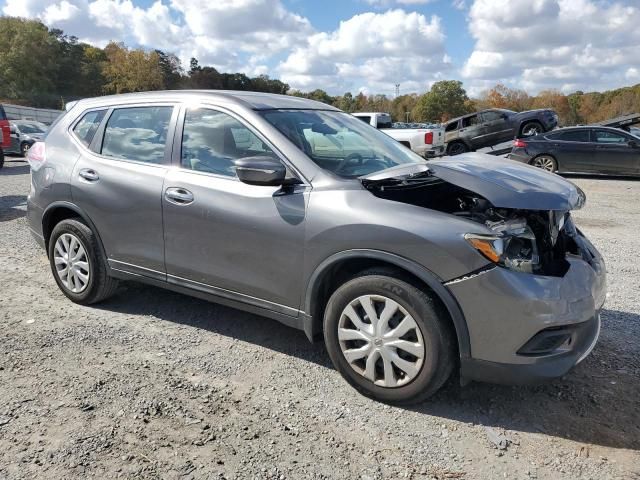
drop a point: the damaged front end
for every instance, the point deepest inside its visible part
(528, 227)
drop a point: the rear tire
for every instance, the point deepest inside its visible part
(456, 148)
(545, 162)
(430, 359)
(1, 158)
(78, 263)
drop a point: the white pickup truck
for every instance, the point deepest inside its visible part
(426, 142)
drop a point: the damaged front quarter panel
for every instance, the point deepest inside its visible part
(524, 209)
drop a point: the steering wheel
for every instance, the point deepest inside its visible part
(352, 157)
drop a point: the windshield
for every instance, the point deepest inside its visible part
(31, 128)
(339, 142)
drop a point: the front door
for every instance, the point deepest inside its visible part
(225, 237)
(473, 131)
(118, 183)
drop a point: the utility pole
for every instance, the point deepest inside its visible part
(397, 90)
(407, 113)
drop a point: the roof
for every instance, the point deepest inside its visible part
(252, 100)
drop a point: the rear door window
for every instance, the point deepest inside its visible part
(137, 133)
(572, 136)
(88, 125)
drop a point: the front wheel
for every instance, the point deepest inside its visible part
(545, 162)
(78, 263)
(388, 339)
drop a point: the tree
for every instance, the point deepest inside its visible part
(554, 100)
(445, 100)
(131, 70)
(501, 96)
(171, 70)
(402, 105)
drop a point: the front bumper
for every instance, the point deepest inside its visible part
(506, 310)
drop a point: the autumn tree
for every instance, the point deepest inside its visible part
(445, 100)
(131, 70)
(555, 100)
(502, 96)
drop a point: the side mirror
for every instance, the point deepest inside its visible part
(261, 170)
(633, 144)
(13, 129)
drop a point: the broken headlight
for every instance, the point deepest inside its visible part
(512, 246)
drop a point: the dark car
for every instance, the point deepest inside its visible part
(24, 133)
(588, 149)
(490, 127)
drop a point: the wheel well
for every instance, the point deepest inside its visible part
(405, 143)
(51, 219)
(458, 140)
(342, 271)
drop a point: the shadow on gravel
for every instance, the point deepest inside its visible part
(139, 299)
(12, 206)
(18, 167)
(596, 403)
(599, 176)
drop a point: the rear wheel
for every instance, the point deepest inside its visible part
(456, 148)
(78, 264)
(24, 148)
(545, 162)
(1, 158)
(388, 339)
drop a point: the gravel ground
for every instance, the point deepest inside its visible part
(152, 384)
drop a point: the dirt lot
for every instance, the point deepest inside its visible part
(152, 384)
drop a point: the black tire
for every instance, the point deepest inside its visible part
(531, 129)
(545, 162)
(1, 158)
(100, 285)
(24, 148)
(440, 349)
(456, 148)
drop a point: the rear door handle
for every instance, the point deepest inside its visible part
(178, 196)
(89, 175)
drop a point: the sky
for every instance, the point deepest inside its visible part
(372, 45)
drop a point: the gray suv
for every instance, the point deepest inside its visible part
(296, 211)
(491, 127)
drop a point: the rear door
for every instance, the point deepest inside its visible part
(613, 154)
(573, 150)
(239, 241)
(118, 182)
(473, 131)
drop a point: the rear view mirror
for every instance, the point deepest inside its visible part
(261, 170)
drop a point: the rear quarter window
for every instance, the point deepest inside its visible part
(88, 125)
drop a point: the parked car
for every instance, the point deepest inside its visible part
(426, 142)
(5, 134)
(408, 269)
(491, 127)
(24, 133)
(587, 149)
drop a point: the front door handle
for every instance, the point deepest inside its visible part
(89, 175)
(179, 196)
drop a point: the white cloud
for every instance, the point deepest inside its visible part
(380, 49)
(564, 44)
(387, 3)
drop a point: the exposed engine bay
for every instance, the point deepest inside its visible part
(531, 241)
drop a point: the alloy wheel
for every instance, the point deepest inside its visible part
(72, 263)
(381, 341)
(545, 163)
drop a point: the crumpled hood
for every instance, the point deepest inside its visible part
(505, 183)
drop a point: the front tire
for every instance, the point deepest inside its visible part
(388, 339)
(78, 263)
(531, 129)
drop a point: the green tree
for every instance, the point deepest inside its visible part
(171, 70)
(131, 70)
(445, 100)
(28, 60)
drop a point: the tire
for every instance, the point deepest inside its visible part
(24, 148)
(531, 129)
(431, 329)
(1, 158)
(545, 162)
(98, 285)
(456, 148)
